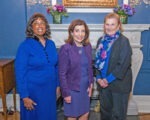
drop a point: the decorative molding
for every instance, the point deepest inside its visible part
(89, 10)
(90, 3)
(143, 103)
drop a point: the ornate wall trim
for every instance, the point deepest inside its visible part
(90, 3)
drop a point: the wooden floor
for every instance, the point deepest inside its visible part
(144, 116)
(141, 116)
(15, 116)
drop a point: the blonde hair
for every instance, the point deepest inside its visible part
(117, 17)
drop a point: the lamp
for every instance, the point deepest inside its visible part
(35, 2)
(146, 2)
(138, 2)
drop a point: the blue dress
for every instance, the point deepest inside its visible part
(80, 101)
(36, 78)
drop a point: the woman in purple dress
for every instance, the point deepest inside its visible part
(75, 71)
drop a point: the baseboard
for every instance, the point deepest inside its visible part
(9, 102)
(143, 103)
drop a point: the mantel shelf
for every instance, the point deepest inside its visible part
(127, 27)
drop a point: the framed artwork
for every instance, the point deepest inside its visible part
(90, 3)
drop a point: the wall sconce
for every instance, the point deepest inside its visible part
(138, 2)
(146, 2)
(36, 2)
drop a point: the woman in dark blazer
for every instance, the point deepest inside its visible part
(113, 62)
(75, 71)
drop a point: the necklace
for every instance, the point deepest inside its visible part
(80, 50)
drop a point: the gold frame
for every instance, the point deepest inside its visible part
(90, 3)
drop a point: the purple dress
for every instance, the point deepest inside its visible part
(80, 103)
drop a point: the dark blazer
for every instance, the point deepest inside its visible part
(120, 65)
(70, 68)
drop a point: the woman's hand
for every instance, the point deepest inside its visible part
(58, 90)
(67, 99)
(89, 90)
(58, 93)
(29, 103)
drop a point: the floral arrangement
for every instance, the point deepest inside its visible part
(124, 10)
(57, 10)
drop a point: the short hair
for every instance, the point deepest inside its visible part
(117, 17)
(29, 30)
(73, 24)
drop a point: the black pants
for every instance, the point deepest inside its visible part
(113, 106)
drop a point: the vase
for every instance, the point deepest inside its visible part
(124, 19)
(57, 19)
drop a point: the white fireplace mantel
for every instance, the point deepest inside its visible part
(132, 31)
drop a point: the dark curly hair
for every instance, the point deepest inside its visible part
(73, 24)
(29, 30)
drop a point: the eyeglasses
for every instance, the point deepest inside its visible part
(39, 23)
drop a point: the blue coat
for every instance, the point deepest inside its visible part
(70, 68)
(36, 78)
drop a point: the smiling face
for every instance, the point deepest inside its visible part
(78, 34)
(39, 27)
(111, 26)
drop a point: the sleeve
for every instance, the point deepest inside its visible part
(98, 76)
(57, 78)
(90, 65)
(124, 62)
(56, 67)
(21, 62)
(98, 73)
(110, 78)
(63, 70)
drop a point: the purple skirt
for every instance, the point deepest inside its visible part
(80, 101)
(79, 105)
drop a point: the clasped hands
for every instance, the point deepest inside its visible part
(103, 83)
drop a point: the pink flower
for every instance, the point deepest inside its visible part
(103, 55)
(57, 10)
(48, 10)
(54, 8)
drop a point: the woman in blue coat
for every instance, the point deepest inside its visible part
(113, 62)
(36, 71)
